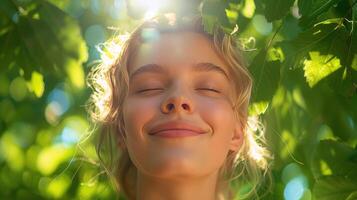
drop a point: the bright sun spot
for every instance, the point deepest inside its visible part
(152, 7)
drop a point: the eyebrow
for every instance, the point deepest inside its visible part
(199, 67)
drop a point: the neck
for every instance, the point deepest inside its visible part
(153, 188)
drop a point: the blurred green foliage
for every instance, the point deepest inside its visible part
(302, 54)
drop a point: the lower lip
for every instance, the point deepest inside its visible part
(176, 133)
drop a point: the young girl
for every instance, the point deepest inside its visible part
(173, 100)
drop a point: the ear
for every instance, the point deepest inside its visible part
(237, 138)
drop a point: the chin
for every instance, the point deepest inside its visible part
(176, 169)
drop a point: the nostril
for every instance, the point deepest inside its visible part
(176, 107)
(170, 106)
(185, 107)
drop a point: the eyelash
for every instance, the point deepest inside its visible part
(156, 89)
(149, 89)
(209, 89)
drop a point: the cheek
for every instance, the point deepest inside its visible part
(220, 117)
(136, 115)
(219, 114)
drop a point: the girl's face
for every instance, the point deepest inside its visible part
(180, 87)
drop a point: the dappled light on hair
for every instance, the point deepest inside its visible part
(98, 79)
(256, 132)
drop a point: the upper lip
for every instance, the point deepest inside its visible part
(176, 125)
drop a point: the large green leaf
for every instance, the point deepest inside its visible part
(328, 40)
(319, 67)
(334, 187)
(310, 38)
(311, 12)
(277, 9)
(266, 76)
(333, 158)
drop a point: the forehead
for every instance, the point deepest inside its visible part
(176, 49)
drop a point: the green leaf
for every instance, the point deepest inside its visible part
(319, 67)
(266, 76)
(276, 54)
(258, 108)
(328, 37)
(277, 9)
(334, 187)
(335, 158)
(312, 39)
(318, 7)
(304, 6)
(337, 115)
(213, 12)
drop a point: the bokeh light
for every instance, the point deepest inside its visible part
(94, 35)
(151, 8)
(261, 25)
(51, 157)
(12, 152)
(18, 89)
(116, 10)
(248, 9)
(74, 128)
(58, 103)
(150, 34)
(95, 6)
(76, 8)
(296, 187)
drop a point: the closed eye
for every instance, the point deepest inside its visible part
(209, 89)
(149, 89)
(160, 89)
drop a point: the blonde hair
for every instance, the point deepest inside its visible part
(110, 84)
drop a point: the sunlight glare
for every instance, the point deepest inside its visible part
(151, 7)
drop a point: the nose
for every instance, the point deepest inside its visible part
(176, 104)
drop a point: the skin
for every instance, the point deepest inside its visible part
(174, 89)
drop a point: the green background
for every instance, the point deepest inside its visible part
(302, 54)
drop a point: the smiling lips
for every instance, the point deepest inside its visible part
(176, 129)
